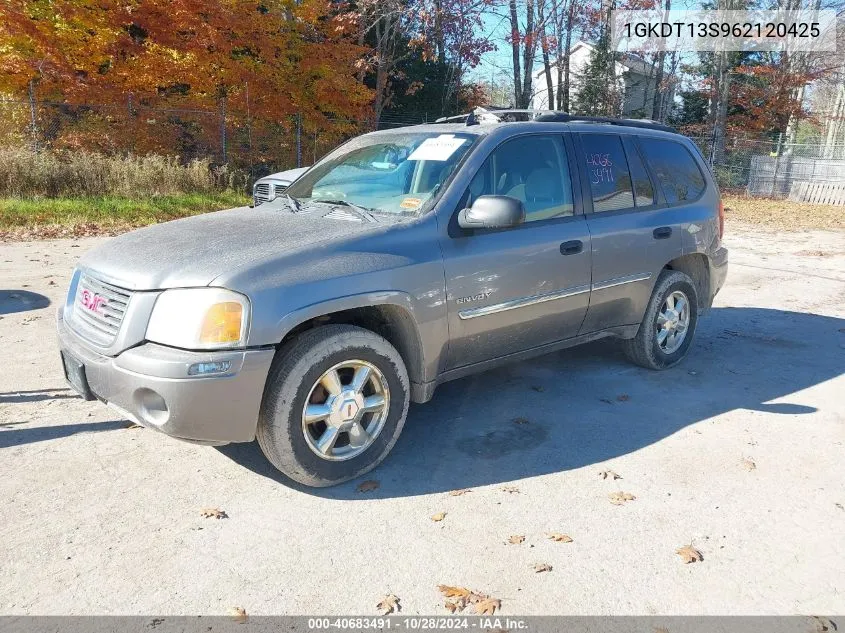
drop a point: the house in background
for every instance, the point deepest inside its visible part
(637, 82)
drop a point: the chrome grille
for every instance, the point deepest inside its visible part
(261, 193)
(98, 310)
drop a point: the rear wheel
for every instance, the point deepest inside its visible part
(669, 323)
(335, 403)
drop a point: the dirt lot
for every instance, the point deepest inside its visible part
(738, 451)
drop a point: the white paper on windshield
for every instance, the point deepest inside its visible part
(437, 148)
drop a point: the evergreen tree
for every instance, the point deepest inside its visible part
(598, 92)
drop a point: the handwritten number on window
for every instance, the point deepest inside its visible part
(601, 160)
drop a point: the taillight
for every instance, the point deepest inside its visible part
(721, 219)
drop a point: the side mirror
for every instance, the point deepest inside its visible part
(489, 212)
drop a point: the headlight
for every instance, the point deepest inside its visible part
(199, 318)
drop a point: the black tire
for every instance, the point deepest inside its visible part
(644, 349)
(296, 367)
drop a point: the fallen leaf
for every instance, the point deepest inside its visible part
(521, 420)
(238, 614)
(367, 486)
(460, 597)
(541, 567)
(454, 592)
(748, 464)
(618, 498)
(389, 604)
(689, 554)
(609, 473)
(438, 517)
(839, 505)
(510, 489)
(623, 397)
(458, 493)
(560, 538)
(214, 513)
(132, 425)
(487, 606)
(516, 539)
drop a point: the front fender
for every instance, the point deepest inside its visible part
(349, 302)
(419, 326)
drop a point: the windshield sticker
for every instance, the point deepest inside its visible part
(410, 203)
(438, 148)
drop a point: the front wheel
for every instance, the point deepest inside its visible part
(335, 403)
(668, 326)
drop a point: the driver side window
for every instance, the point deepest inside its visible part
(532, 169)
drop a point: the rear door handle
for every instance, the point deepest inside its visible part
(662, 233)
(572, 247)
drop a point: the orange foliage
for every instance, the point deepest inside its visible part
(295, 57)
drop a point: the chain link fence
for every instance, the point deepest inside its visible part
(773, 167)
(253, 147)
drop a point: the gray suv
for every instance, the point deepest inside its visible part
(403, 259)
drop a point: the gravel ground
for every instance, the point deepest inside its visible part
(738, 451)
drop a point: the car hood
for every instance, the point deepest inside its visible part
(285, 176)
(194, 251)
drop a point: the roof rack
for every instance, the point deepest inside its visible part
(565, 117)
(499, 115)
(493, 114)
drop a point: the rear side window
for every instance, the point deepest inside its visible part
(675, 168)
(607, 170)
(643, 190)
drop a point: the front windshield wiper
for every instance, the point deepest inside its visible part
(293, 203)
(288, 200)
(363, 213)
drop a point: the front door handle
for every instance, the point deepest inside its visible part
(662, 233)
(572, 247)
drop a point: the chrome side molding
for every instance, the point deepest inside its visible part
(523, 302)
(618, 281)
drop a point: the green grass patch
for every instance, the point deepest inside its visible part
(110, 212)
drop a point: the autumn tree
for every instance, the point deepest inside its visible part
(295, 57)
(451, 33)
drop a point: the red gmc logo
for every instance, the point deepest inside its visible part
(93, 301)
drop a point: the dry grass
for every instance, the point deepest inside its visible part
(23, 219)
(783, 215)
(25, 174)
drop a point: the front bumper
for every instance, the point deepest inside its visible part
(149, 384)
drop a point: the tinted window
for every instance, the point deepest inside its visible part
(532, 169)
(643, 191)
(608, 173)
(675, 168)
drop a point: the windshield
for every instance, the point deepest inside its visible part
(394, 173)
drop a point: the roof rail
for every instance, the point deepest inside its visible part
(493, 114)
(565, 117)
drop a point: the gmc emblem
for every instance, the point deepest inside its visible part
(93, 301)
